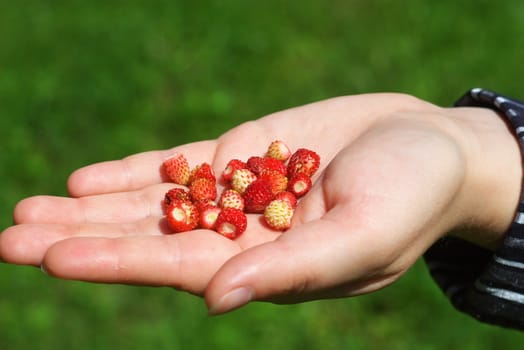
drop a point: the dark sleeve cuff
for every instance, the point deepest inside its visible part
(479, 283)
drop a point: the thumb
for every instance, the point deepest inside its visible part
(311, 261)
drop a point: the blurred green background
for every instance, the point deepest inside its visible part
(86, 81)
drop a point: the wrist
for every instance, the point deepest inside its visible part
(494, 171)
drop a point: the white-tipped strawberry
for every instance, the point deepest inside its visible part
(231, 167)
(231, 199)
(208, 217)
(177, 169)
(174, 194)
(182, 215)
(288, 197)
(231, 223)
(203, 170)
(299, 185)
(279, 150)
(241, 179)
(278, 214)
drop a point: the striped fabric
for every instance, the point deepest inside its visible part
(488, 286)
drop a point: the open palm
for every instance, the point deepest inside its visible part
(391, 181)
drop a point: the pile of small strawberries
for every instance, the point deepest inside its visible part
(270, 185)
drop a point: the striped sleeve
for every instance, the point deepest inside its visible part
(488, 286)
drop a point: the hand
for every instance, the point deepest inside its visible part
(397, 174)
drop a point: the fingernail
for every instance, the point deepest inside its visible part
(232, 300)
(43, 269)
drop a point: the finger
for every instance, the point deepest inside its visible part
(104, 208)
(133, 172)
(184, 261)
(26, 244)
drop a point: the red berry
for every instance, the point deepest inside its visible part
(231, 222)
(202, 205)
(203, 170)
(276, 180)
(257, 195)
(303, 161)
(177, 169)
(174, 194)
(182, 216)
(231, 199)
(208, 216)
(278, 150)
(254, 164)
(288, 197)
(203, 189)
(259, 164)
(299, 185)
(231, 167)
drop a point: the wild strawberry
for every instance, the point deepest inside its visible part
(299, 185)
(278, 150)
(231, 199)
(303, 161)
(288, 197)
(203, 189)
(232, 165)
(203, 170)
(259, 164)
(241, 179)
(177, 169)
(174, 194)
(203, 204)
(278, 214)
(231, 222)
(208, 216)
(182, 216)
(257, 195)
(255, 164)
(276, 180)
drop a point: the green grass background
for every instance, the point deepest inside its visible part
(86, 81)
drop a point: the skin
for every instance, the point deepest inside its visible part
(397, 174)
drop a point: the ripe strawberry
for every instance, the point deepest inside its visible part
(232, 165)
(177, 169)
(276, 180)
(241, 179)
(202, 205)
(257, 196)
(203, 170)
(203, 189)
(299, 185)
(278, 214)
(278, 150)
(303, 161)
(174, 194)
(231, 223)
(208, 216)
(259, 164)
(288, 197)
(182, 216)
(231, 199)
(255, 164)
